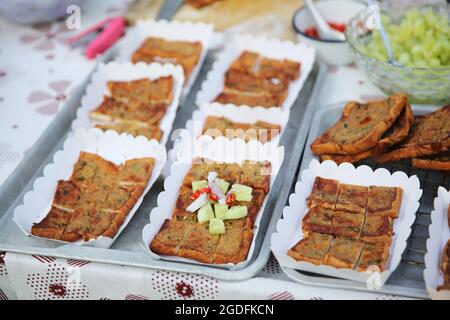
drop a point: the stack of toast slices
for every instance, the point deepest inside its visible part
(136, 107)
(387, 131)
(255, 80)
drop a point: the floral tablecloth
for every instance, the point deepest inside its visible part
(38, 73)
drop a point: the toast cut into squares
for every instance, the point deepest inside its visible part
(260, 99)
(352, 198)
(53, 225)
(312, 249)
(199, 244)
(318, 220)
(135, 129)
(324, 193)
(344, 253)
(377, 228)
(374, 257)
(131, 112)
(67, 195)
(185, 53)
(246, 82)
(169, 237)
(384, 201)
(136, 171)
(347, 225)
(233, 246)
(158, 91)
(256, 175)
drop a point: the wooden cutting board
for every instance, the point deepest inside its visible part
(261, 17)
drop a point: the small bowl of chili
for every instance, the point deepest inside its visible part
(337, 13)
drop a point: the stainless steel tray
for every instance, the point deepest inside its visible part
(129, 249)
(407, 280)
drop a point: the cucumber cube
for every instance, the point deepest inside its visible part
(199, 185)
(236, 212)
(240, 196)
(216, 226)
(240, 188)
(220, 210)
(222, 184)
(205, 213)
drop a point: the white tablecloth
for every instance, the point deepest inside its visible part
(38, 73)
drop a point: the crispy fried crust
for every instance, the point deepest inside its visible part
(347, 225)
(199, 244)
(397, 133)
(374, 254)
(311, 249)
(377, 228)
(429, 135)
(360, 127)
(384, 201)
(169, 237)
(136, 171)
(135, 129)
(344, 253)
(53, 225)
(260, 99)
(324, 193)
(318, 220)
(437, 162)
(352, 198)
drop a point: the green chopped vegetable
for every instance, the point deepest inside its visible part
(222, 184)
(240, 196)
(199, 185)
(236, 212)
(220, 210)
(216, 226)
(240, 188)
(205, 213)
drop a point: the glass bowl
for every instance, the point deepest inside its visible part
(422, 85)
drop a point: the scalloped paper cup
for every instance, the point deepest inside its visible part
(439, 234)
(243, 114)
(289, 229)
(221, 150)
(271, 48)
(173, 30)
(111, 146)
(127, 71)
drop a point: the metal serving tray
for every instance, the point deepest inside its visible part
(407, 280)
(129, 248)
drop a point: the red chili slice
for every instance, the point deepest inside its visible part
(206, 190)
(231, 199)
(196, 194)
(213, 197)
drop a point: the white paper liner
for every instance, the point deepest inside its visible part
(243, 114)
(289, 229)
(109, 145)
(439, 234)
(221, 150)
(127, 71)
(271, 48)
(173, 30)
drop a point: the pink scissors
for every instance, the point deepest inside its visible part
(100, 36)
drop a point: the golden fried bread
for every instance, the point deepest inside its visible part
(429, 135)
(360, 127)
(256, 175)
(397, 133)
(169, 237)
(198, 244)
(324, 193)
(347, 225)
(53, 225)
(233, 246)
(311, 249)
(384, 201)
(318, 220)
(135, 129)
(136, 171)
(377, 228)
(374, 255)
(437, 162)
(352, 198)
(259, 99)
(344, 253)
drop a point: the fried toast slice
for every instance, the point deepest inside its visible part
(256, 99)
(169, 237)
(199, 244)
(352, 198)
(384, 201)
(135, 129)
(247, 82)
(436, 162)
(324, 193)
(344, 253)
(233, 246)
(347, 225)
(53, 225)
(311, 249)
(374, 255)
(397, 133)
(360, 127)
(377, 228)
(318, 220)
(429, 135)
